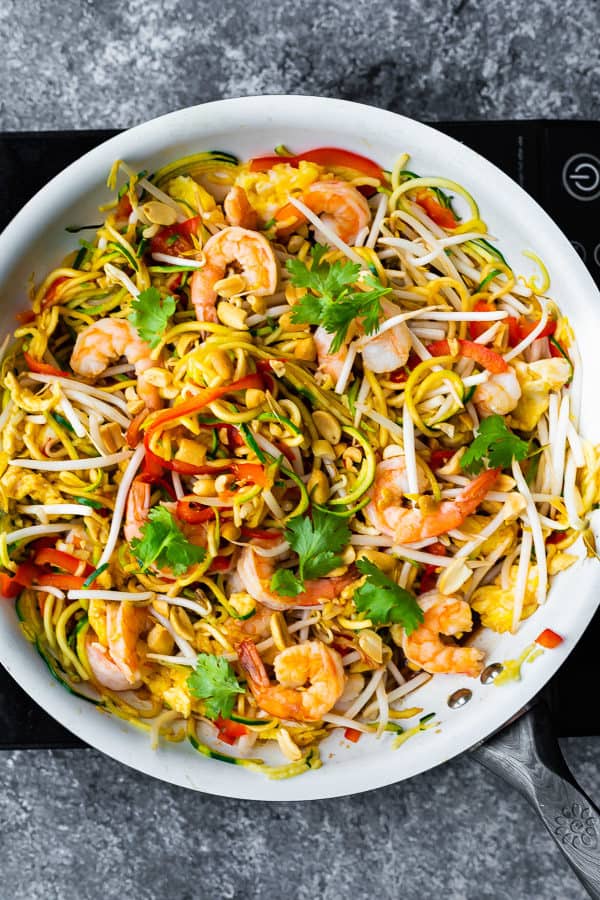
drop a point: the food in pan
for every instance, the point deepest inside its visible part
(278, 439)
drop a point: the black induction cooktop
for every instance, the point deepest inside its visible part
(558, 163)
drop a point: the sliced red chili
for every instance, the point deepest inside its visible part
(556, 537)
(439, 458)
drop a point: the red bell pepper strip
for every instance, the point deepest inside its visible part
(556, 537)
(519, 329)
(322, 156)
(230, 731)
(25, 317)
(476, 329)
(352, 734)
(51, 292)
(42, 368)
(206, 396)
(234, 438)
(59, 559)
(9, 586)
(430, 574)
(124, 207)
(514, 331)
(190, 510)
(399, 376)
(549, 639)
(176, 239)
(441, 215)
(59, 580)
(133, 435)
(483, 356)
(252, 472)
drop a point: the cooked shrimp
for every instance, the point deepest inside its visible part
(312, 663)
(255, 572)
(389, 350)
(136, 509)
(136, 515)
(238, 210)
(254, 256)
(499, 394)
(329, 363)
(449, 616)
(117, 666)
(105, 341)
(381, 353)
(415, 523)
(257, 626)
(341, 206)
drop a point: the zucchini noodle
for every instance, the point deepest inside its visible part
(206, 509)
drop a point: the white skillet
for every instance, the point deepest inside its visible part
(36, 239)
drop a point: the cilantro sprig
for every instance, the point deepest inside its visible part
(164, 544)
(213, 680)
(333, 303)
(150, 314)
(384, 602)
(496, 443)
(317, 543)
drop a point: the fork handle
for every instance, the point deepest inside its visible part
(527, 756)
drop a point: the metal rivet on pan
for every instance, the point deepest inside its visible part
(459, 698)
(490, 673)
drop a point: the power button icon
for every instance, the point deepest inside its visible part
(581, 176)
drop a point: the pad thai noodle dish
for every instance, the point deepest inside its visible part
(280, 439)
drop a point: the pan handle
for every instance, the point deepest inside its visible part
(527, 756)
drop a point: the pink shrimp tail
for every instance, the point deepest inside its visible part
(474, 493)
(414, 525)
(252, 665)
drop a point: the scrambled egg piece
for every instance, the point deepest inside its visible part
(170, 685)
(269, 191)
(474, 524)
(19, 483)
(559, 561)
(97, 619)
(195, 198)
(495, 605)
(537, 379)
(12, 434)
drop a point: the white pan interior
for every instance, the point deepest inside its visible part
(36, 239)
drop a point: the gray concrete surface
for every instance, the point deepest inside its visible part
(74, 824)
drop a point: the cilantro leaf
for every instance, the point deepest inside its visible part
(164, 543)
(150, 314)
(384, 602)
(286, 583)
(496, 443)
(213, 680)
(332, 303)
(317, 544)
